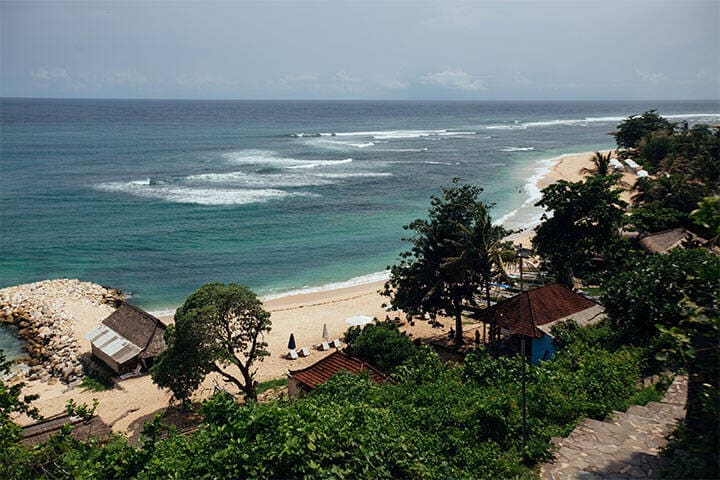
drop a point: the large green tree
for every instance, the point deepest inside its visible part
(220, 328)
(581, 221)
(632, 130)
(452, 256)
(650, 291)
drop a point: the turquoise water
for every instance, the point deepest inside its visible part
(159, 197)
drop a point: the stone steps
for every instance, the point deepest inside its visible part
(624, 446)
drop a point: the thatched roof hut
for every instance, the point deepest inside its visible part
(128, 338)
(663, 242)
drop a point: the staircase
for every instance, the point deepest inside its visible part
(624, 446)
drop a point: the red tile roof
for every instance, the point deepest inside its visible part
(524, 312)
(321, 371)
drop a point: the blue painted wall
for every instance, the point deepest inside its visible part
(542, 349)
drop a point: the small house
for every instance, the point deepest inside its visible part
(308, 378)
(129, 339)
(535, 312)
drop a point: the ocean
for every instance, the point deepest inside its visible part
(157, 197)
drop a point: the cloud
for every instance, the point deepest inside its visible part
(652, 77)
(307, 77)
(50, 74)
(454, 79)
(126, 78)
(392, 84)
(202, 80)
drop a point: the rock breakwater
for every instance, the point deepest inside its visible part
(40, 312)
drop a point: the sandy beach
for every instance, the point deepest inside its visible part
(303, 315)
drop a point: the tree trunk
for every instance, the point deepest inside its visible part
(250, 388)
(458, 327)
(568, 275)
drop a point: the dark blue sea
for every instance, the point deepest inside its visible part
(160, 197)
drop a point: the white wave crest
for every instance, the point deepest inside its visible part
(271, 158)
(528, 209)
(251, 180)
(199, 196)
(321, 163)
(517, 125)
(517, 149)
(354, 175)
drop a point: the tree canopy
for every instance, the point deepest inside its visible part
(217, 327)
(453, 254)
(581, 222)
(633, 129)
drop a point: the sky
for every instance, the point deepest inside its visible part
(391, 49)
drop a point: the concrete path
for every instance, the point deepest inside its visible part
(624, 446)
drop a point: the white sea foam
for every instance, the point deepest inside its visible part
(320, 163)
(587, 120)
(354, 175)
(271, 158)
(403, 134)
(252, 180)
(338, 144)
(353, 282)
(528, 209)
(517, 149)
(199, 196)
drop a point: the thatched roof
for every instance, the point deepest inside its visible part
(662, 242)
(139, 327)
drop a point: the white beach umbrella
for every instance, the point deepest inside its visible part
(358, 320)
(326, 335)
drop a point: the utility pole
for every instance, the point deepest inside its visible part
(523, 253)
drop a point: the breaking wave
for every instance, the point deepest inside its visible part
(517, 149)
(518, 125)
(198, 196)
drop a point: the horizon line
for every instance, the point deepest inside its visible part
(358, 99)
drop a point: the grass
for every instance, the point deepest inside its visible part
(271, 384)
(95, 385)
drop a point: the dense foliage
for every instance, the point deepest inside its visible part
(455, 252)
(438, 421)
(381, 345)
(695, 338)
(686, 164)
(650, 290)
(669, 303)
(217, 326)
(581, 223)
(635, 128)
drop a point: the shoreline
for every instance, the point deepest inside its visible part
(301, 312)
(565, 166)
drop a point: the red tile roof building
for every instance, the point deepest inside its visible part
(321, 371)
(526, 312)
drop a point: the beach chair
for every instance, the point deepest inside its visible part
(335, 343)
(305, 352)
(324, 346)
(292, 355)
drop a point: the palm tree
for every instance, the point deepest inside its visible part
(601, 166)
(480, 252)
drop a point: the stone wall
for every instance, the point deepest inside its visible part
(37, 309)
